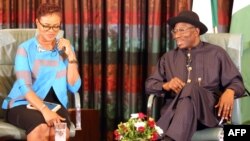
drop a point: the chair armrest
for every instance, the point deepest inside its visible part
(78, 111)
(154, 104)
(150, 103)
(241, 113)
(77, 100)
(72, 130)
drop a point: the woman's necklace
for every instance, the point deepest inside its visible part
(47, 45)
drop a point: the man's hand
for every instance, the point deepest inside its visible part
(225, 104)
(175, 84)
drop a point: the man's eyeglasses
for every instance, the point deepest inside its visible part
(47, 28)
(181, 30)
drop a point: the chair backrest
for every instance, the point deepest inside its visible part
(9, 41)
(232, 43)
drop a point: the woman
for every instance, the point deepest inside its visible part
(46, 68)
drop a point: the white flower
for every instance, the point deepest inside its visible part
(158, 130)
(139, 124)
(121, 137)
(134, 115)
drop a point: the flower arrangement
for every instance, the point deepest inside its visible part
(138, 127)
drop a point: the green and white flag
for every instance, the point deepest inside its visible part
(240, 24)
(240, 20)
(208, 13)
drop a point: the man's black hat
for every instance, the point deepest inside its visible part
(188, 17)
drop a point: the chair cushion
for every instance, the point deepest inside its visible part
(209, 134)
(6, 38)
(232, 43)
(11, 131)
(9, 40)
(241, 112)
(7, 79)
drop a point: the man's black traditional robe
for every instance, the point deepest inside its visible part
(212, 72)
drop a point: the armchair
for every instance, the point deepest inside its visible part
(232, 43)
(9, 40)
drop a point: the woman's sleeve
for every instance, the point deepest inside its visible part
(23, 71)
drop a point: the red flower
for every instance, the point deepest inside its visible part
(137, 127)
(117, 134)
(141, 116)
(141, 129)
(154, 136)
(151, 122)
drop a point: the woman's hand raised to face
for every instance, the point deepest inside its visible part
(64, 45)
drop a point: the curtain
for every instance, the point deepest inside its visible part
(117, 42)
(224, 15)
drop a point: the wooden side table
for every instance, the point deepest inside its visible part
(90, 120)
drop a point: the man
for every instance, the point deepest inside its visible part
(199, 79)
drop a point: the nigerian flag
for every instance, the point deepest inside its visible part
(240, 20)
(240, 24)
(208, 13)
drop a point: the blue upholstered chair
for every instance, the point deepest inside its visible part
(9, 40)
(232, 43)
